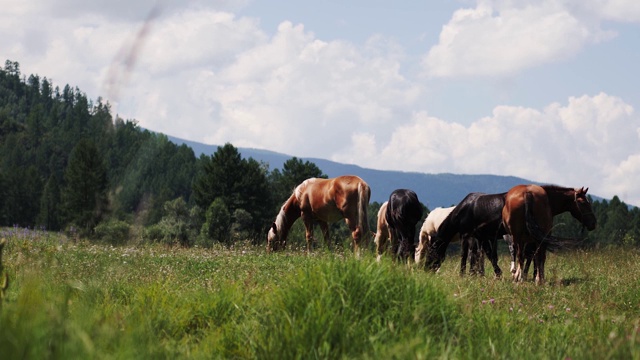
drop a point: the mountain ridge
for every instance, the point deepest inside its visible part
(434, 190)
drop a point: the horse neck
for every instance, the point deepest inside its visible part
(289, 213)
(560, 199)
(448, 227)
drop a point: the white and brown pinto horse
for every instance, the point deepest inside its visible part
(430, 229)
(324, 201)
(382, 230)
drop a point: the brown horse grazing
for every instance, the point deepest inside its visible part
(560, 201)
(324, 201)
(528, 217)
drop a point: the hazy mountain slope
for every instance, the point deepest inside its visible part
(433, 189)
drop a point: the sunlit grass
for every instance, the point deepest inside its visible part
(74, 299)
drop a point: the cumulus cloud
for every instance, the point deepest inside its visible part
(205, 74)
(498, 38)
(297, 94)
(574, 144)
(618, 10)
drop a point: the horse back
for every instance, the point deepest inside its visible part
(403, 208)
(332, 199)
(521, 198)
(382, 218)
(435, 219)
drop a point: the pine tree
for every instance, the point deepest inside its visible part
(49, 215)
(85, 192)
(294, 172)
(234, 183)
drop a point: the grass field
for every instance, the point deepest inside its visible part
(75, 300)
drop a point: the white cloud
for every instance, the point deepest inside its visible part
(205, 74)
(576, 144)
(498, 38)
(618, 10)
(623, 180)
(296, 94)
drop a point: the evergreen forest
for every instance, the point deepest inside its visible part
(68, 165)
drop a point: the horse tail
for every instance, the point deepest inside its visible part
(552, 242)
(364, 192)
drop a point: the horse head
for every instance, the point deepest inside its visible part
(436, 252)
(274, 241)
(582, 209)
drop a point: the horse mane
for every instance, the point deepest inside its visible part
(557, 188)
(282, 220)
(457, 208)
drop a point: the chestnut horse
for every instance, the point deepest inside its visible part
(324, 201)
(528, 217)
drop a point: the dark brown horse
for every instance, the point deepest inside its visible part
(528, 217)
(324, 201)
(477, 220)
(403, 213)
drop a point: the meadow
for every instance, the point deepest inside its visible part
(73, 299)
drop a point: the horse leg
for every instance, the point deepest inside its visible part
(473, 248)
(355, 234)
(308, 224)
(477, 257)
(482, 248)
(529, 253)
(528, 264)
(324, 227)
(381, 242)
(519, 275)
(395, 244)
(422, 248)
(512, 251)
(540, 259)
(465, 254)
(491, 249)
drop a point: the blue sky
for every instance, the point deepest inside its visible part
(545, 90)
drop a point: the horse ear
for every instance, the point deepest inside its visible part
(274, 227)
(585, 190)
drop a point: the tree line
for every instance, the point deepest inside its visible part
(66, 164)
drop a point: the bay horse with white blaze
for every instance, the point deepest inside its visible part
(528, 217)
(324, 201)
(403, 213)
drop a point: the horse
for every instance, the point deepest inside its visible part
(528, 218)
(429, 230)
(403, 212)
(478, 220)
(382, 230)
(324, 201)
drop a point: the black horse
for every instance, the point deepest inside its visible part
(404, 211)
(478, 217)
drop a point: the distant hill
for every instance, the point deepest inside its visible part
(433, 190)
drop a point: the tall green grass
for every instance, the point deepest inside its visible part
(77, 300)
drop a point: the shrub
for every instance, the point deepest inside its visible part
(218, 222)
(153, 233)
(114, 232)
